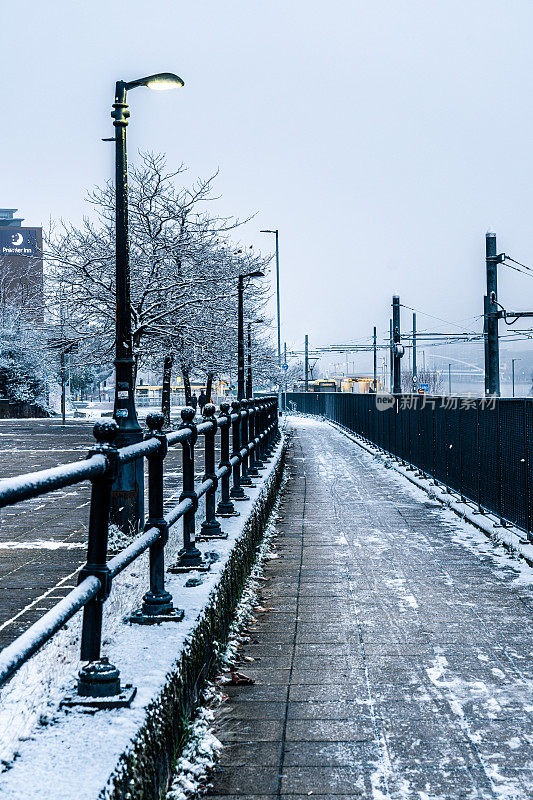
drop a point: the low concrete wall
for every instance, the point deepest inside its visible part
(12, 410)
(143, 771)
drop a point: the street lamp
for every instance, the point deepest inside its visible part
(127, 504)
(276, 232)
(240, 329)
(512, 364)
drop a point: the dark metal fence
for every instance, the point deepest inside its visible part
(252, 427)
(481, 448)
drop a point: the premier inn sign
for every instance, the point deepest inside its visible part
(19, 241)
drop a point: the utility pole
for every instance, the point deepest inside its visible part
(491, 314)
(375, 384)
(391, 365)
(449, 378)
(306, 362)
(415, 376)
(397, 347)
(285, 361)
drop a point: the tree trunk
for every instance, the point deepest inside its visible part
(186, 385)
(209, 386)
(63, 389)
(165, 390)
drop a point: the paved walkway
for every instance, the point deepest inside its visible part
(396, 659)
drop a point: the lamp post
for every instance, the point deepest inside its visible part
(240, 330)
(127, 501)
(249, 389)
(276, 233)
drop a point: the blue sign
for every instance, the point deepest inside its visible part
(424, 387)
(284, 366)
(18, 242)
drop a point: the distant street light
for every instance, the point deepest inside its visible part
(512, 365)
(249, 386)
(128, 490)
(240, 329)
(276, 232)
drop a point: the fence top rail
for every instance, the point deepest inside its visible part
(32, 484)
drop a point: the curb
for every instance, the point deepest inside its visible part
(144, 770)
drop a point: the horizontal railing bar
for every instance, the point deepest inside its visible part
(16, 653)
(179, 436)
(133, 551)
(204, 487)
(178, 511)
(204, 427)
(137, 450)
(33, 484)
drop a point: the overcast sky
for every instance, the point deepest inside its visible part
(382, 138)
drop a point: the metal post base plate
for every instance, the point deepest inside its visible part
(243, 497)
(205, 537)
(226, 514)
(139, 618)
(122, 700)
(180, 567)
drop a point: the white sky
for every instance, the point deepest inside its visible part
(382, 138)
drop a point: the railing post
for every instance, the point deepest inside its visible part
(157, 602)
(237, 492)
(252, 426)
(269, 431)
(210, 528)
(263, 438)
(245, 478)
(99, 681)
(225, 507)
(190, 558)
(277, 432)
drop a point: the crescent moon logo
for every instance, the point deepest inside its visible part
(17, 239)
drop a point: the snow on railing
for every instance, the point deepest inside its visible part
(253, 425)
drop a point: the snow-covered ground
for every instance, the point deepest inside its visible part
(62, 754)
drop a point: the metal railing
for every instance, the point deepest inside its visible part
(481, 448)
(253, 427)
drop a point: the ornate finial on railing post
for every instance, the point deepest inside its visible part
(245, 478)
(190, 558)
(210, 528)
(237, 492)
(225, 506)
(157, 603)
(99, 681)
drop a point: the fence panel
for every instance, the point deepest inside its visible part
(513, 471)
(482, 449)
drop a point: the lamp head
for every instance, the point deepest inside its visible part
(160, 82)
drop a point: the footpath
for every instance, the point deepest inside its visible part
(396, 659)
